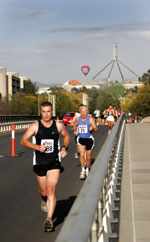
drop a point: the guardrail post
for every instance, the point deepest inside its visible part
(13, 141)
(99, 214)
(94, 230)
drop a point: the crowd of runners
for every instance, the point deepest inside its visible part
(43, 137)
(108, 117)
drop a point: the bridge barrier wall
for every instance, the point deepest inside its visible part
(20, 125)
(94, 214)
(17, 118)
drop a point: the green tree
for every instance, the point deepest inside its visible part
(106, 95)
(67, 102)
(4, 107)
(30, 87)
(141, 102)
(23, 104)
(93, 94)
(145, 78)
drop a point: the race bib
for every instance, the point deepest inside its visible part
(49, 144)
(82, 129)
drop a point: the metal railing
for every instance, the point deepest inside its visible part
(94, 215)
(16, 118)
(20, 125)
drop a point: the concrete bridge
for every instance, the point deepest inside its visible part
(112, 205)
(135, 195)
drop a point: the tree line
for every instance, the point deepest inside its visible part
(27, 101)
(136, 100)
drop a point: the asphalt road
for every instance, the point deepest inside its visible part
(20, 215)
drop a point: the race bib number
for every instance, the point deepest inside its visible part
(49, 144)
(82, 129)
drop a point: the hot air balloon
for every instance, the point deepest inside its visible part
(85, 69)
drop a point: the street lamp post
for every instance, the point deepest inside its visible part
(38, 104)
(85, 99)
(52, 99)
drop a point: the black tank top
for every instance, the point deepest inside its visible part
(50, 138)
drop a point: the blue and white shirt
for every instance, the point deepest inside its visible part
(83, 127)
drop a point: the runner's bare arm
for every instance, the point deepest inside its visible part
(93, 125)
(25, 141)
(63, 131)
(74, 125)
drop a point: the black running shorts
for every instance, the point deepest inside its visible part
(87, 142)
(75, 139)
(41, 170)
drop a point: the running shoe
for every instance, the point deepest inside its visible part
(87, 171)
(76, 155)
(82, 174)
(44, 206)
(48, 225)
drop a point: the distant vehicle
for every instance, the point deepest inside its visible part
(68, 117)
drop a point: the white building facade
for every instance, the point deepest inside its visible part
(3, 82)
(10, 83)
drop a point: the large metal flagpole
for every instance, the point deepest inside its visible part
(119, 64)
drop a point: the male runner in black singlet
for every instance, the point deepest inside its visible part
(46, 157)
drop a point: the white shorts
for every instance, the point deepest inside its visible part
(110, 118)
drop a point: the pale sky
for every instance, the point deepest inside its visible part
(48, 41)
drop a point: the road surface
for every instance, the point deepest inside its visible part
(20, 215)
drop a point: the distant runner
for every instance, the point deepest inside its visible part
(97, 117)
(83, 126)
(110, 117)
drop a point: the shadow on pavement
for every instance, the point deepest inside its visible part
(62, 209)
